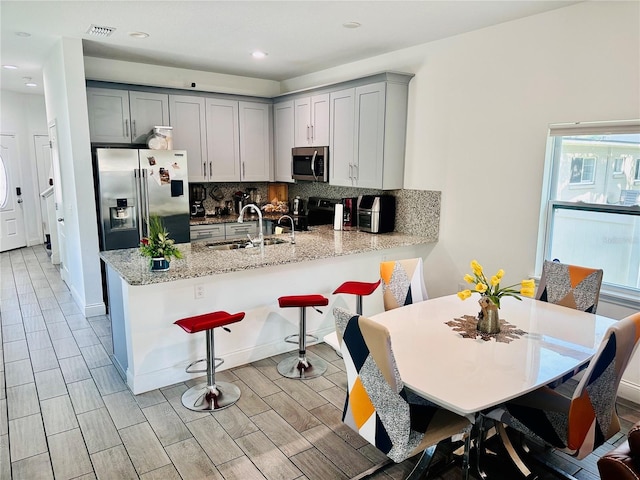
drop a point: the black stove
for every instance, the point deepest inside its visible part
(320, 210)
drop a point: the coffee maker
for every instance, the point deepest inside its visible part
(197, 194)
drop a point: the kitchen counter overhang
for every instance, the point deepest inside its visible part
(152, 352)
(200, 260)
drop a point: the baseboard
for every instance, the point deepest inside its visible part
(88, 310)
(629, 391)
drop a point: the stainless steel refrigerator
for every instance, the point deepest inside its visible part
(135, 184)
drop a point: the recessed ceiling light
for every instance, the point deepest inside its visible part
(23, 34)
(31, 84)
(10, 67)
(258, 54)
(351, 25)
(138, 34)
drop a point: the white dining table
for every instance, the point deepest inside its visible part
(466, 375)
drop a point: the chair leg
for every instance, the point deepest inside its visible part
(423, 463)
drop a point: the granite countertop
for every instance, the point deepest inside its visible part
(199, 260)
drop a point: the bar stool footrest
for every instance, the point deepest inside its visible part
(206, 398)
(289, 338)
(219, 360)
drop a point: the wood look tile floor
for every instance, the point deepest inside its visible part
(66, 413)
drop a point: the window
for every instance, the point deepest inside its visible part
(582, 170)
(588, 219)
(618, 165)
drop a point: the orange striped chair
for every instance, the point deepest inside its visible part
(379, 407)
(580, 424)
(570, 286)
(402, 282)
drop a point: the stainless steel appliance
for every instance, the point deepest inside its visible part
(197, 194)
(350, 211)
(135, 184)
(310, 163)
(377, 213)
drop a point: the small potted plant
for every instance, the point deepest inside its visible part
(158, 246)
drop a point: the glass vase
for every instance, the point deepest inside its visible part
(488, 317)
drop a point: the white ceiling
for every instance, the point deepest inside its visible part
(300, 37)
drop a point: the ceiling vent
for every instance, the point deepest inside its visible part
(98, 31)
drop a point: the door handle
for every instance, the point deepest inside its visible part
(133, 127)
(126, 128)
(19, 200)
(61, 219)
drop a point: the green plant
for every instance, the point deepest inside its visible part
(158, 244)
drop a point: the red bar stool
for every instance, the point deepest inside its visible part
(299, 366)
(211, 395)
(360, 289)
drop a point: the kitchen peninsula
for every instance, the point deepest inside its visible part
(152, 352)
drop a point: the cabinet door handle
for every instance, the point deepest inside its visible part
(126, 128)
(204, 169)
(210, 170)
(308, 128)
(357, 172)
(312, 133)
(351, 170)
(133, 127)
(244, 170)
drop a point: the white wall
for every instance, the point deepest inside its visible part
(66, 103)
(24, 116)
(480, 105)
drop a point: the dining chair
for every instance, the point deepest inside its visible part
(570, 286)
(402, 282)
(580, 424)
(396, 421)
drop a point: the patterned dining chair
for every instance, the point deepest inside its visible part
(580, 424)
(402, 282)
(570, 286)
(378, 406)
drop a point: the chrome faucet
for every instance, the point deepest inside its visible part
(293, 230)
(260, 240)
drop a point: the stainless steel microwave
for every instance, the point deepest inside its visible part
(310, 163)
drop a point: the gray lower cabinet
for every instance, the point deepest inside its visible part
(207, 233)
(240, 230)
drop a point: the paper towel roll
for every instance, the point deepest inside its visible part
(337, 219)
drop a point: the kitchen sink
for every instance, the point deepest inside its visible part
(274, 241)
(236, 244)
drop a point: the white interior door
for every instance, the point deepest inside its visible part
(12, 233)
(43, 164)
(57, 189)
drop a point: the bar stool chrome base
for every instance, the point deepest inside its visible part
(205, 398)
(300, 367)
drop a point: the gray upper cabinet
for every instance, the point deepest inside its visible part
(283, 118)
(122, 116)
(188, 119)
(223, 140)
(312, 120)
(255, 141)
(238, 141)
(367, 137)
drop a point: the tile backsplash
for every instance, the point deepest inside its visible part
(417, 211)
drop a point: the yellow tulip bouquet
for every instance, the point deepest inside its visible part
(491, 288)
